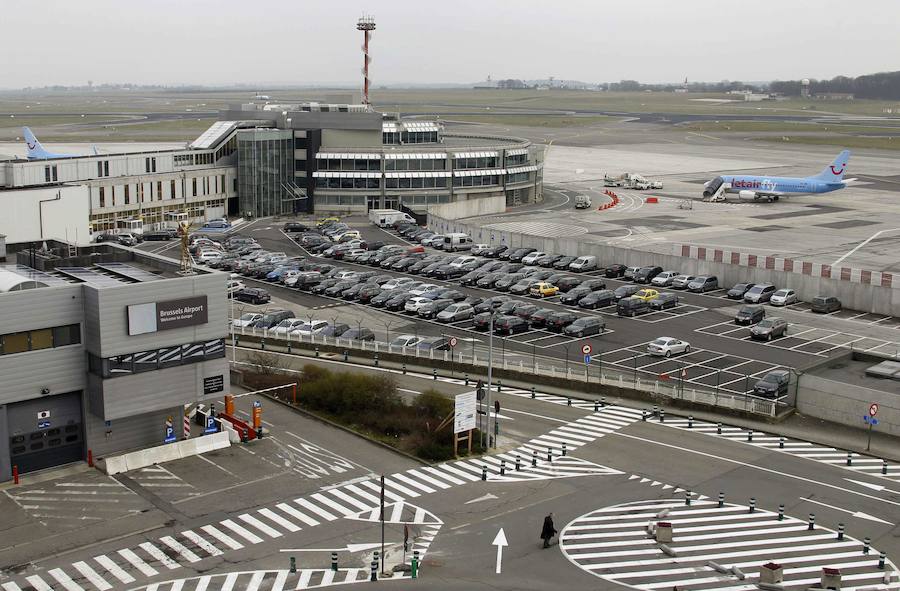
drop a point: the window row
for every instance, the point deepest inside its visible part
(476, 181)
(202, 158)
(159, 190)
(490, 162)
(517, 159)
(131, 363)
(355, 164)
(519, 177)
(36, 340)
(416, 164)
(347, 183)
(416, 183)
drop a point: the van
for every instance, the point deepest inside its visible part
(632, 307)
(584, 263)
(760, 293)
(826, 304)
(457, 241)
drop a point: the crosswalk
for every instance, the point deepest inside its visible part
(613, 543)
(271, 580)
(546, 456)
(803, 449)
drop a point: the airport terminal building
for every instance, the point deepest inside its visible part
(265, 160)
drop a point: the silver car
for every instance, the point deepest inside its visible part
(455, 312)
(681, 281)
(664, 279)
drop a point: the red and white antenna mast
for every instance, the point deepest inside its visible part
(366, 24)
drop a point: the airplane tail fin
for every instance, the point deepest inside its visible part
(834, 173)
(35, 149)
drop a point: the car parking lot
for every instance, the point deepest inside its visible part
(723, 372)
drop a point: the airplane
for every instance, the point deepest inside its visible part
(37, 152)
(771, 188)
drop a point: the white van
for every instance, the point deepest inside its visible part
(457, 241)
(584, 263)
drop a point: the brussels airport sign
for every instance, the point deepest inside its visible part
(155, 316)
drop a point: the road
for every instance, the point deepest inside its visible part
(254, 508)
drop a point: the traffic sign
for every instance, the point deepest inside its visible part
(586, 349)
(873, 409)
(453, 341)
(587, 359)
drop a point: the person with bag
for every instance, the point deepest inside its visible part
(548, 531)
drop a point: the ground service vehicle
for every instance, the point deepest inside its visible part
(582, 202)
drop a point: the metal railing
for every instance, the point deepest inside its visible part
(546, 367)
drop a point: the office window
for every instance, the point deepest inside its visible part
(146, 165)
(53, 170)
(102, 196)
(99, 168)
(127, 195)
(153, 165)
(41, 339)
(47, 174)
(159, 193)
(194, 183)
(106, 168)
(66, 335)
(172, 189)
(15, 343)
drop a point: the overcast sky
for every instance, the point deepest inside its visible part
(309, 42)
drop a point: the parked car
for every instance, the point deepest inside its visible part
(646, 294)
(517, 255)
(664, 279)
(668, 346)
(586, 325)
(491, 303)
(157, 236)
(825, 304)
(434, 307)
(567, 283)
(629, 273)
(573, 296)
(559, 320)
(510, 325)
(359, 334)
(272, 318)
(784, 297)
(625, 291)
(664, 301)
(773, 385)
(482, 320)
(769, 328)
(739, 290)
(593, 284)
(563, 263)
(704, 283)
(543, 289)
(456, 312)
(647, 274)
(311, 328)
(334, 330)
(480, 249)
(682, 281)
(539, 318)
(253, 295)
(233, 286)
(749, 315)
(405, 340)
(548, 259)
(584, 263)
(246, 319)
(287, 326)
(615, 270)
(433, 344)
(597, 299)
(632, 307)
(760, 293)
(495, 251)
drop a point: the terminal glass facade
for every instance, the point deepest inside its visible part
(265, 172)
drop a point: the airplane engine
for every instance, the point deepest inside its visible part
(748, 195)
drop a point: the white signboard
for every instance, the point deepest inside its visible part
(464, 418)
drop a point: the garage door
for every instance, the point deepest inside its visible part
(45, 432)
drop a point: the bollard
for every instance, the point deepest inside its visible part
(690, 422)
(840, 531)
(415, 564)
(662, 416)
(644, 415)
(780, 512)
(596, 406)
(849, 458)
(655, 411)
(564, 448)
(884, 466)
(687, 497)
(719, 429)
(467, 379)
(16, 474)
(602, 401)
(533, 395)
(866, 542)
(404, 369)
(374, 576)
(483, 472)
(376, 359)
(434, 373)
(317, 351)
(91, 456)
(502, 467)
(334, 561)
(518, 463)
(262, 344)
(534, 458)
(812, 522)
(881, 558)
(499, 385)
(549, 454)
(781, 443)
(752, 504)
(568, 401)
(346, 355)
(293, 565)
(721, 499)
(289, 347)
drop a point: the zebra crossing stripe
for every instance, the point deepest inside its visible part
(303, 582)
(114, 569)
(336, 492)
(201, 543)
(255, 581)
(327, 579)
(269, 531)
(388, 482)
(430, 480)
(10, 587)
(177, 585)
(158, 555)
(202, 583)
(363, 494)
(388, 494)
(278, 519)
(230, 579)
(315, 509)
(411, 482)
(179, 547)
(280, 579)
(38, 583)
(332, 504)
(303, 517)
(65, 580)
(445, 474)
(91, 575)
(222, 537)
(138, 563)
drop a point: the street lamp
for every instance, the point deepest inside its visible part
(387, 330)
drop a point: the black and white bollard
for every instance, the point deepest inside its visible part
(499, 385)
(690, 422)
(750, 435)
(881, 559)
(662, 416)
(376, 359)
(780, 512)
(502, 467)
(568, 401)
(317, 351)
(721, 499)
(849, 458)
(289, 347)
(564, 448)
(334, 561)
(434, 373)
(374, 575)
(596, 405)
(644, 415)
(811, 524)
(533, 393)
(467, 379)
(518, 463)
(293, 568)
(549, 454)
(534, 458)
(346, 355)
(840, 532)
(655, 411)
(752, 504)
(781, 443)
(602, 401)
(404, 369)
(866, 542)
(687, 497)
(719, 429)
(884, 466)
(483, 472)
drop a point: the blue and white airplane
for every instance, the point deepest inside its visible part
(37, 152)
(771, 188)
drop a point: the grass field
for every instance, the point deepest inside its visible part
(844, 141)
(785, 126)
(534, 120)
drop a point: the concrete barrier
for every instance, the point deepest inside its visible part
(164, 453)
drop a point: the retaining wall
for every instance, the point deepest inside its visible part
(846, 404)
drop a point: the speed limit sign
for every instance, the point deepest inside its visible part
(586, 349)
(873, 409)
(453, 341)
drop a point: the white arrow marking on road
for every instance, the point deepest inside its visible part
(486, 497)
(878, 487)
(347, 548)
(858, 514)
(500, 541)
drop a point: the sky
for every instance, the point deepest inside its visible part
(300, 42)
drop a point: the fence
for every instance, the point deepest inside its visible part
(544, 367)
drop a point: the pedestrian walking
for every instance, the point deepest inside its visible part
(548, 531)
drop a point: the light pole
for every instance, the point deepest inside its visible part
(233, 336)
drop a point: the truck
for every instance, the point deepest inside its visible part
(582, 201)
(385, 217)
(630, 180)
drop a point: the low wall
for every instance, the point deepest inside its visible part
(853, 295)
(164, 453)
(846, 404)
(468, 208)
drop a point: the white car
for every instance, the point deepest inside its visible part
(396, 282)
(664, 279)
(478, 249)
(531, 258)
(208, 256)
(413, 304)
(459, 262)
(668, 346)
(308, 328)
(246, 319)
(347, 235)
(352, 254)
(417, 291)
(405, 340)
(233, 286)
(286, 326)
(681, 281)
(344, 275)
(784, 297)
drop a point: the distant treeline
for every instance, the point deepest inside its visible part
(882, 86)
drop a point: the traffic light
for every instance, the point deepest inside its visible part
(479, 390)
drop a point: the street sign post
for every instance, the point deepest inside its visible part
(870, 420)
(586, 349)
(587, 359)
(873, 409)
(453, 341)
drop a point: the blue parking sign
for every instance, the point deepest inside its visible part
(587, 359)
(170, 434)
(210, 424)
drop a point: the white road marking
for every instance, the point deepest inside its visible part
(138, 563)
(201, 543)
(180, 548)
(114, 569)
(222, 537)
